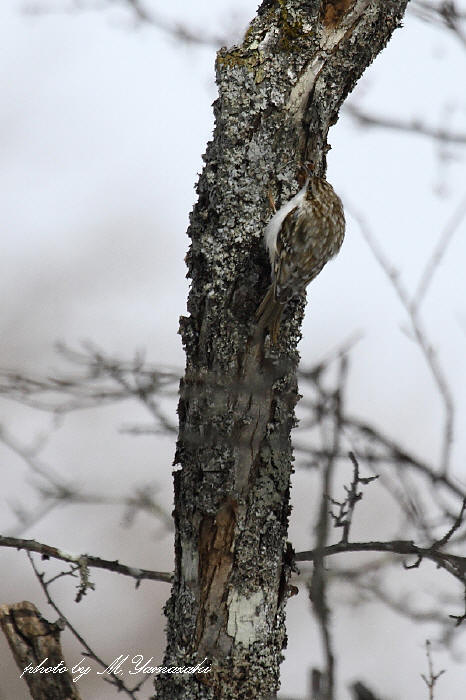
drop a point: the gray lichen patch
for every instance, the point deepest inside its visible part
(246, 617)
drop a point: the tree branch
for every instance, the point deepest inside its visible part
(452, 563)
(413, 126)
(113, 678)
(87, 560)
(421, 339)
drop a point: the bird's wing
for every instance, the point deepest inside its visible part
(292, 247)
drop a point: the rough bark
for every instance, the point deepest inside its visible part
(32, 640)
(279, 92)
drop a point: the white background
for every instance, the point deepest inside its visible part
(102, 128)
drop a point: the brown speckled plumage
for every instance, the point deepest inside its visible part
(308, 236)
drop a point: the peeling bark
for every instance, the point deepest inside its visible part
(279, 92)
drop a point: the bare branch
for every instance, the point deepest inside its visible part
(445, 12)
(438, 253)
(343, 518)
(318, 593)
(375, 448)
(456, 525)
(436, 8)
(101, 380)
(452, 563)
(60, 491)
(421, 338)
(113, 679)
(30, 456)
(179, 31)
(413, 126)
(49, 552)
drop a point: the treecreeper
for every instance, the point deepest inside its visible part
(301, 237)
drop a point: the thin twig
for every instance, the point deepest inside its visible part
(179, 31)
(413, 126)
(445, 12)
(344, 516)
(438, 253)
(421, 338)
(456, 525)
(113, 678)
(318, 590)
(433, 677)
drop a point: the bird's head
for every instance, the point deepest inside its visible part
(305, 171)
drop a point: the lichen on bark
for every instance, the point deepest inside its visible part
(279, 92)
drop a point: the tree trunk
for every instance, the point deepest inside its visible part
(279, 92)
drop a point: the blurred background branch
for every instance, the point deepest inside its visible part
(425, 492)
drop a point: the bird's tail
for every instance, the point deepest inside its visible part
(269, 314)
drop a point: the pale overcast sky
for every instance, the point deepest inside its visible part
(102, 129)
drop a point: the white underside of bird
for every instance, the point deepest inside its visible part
(275, 223)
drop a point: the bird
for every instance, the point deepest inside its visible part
(301, 237)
